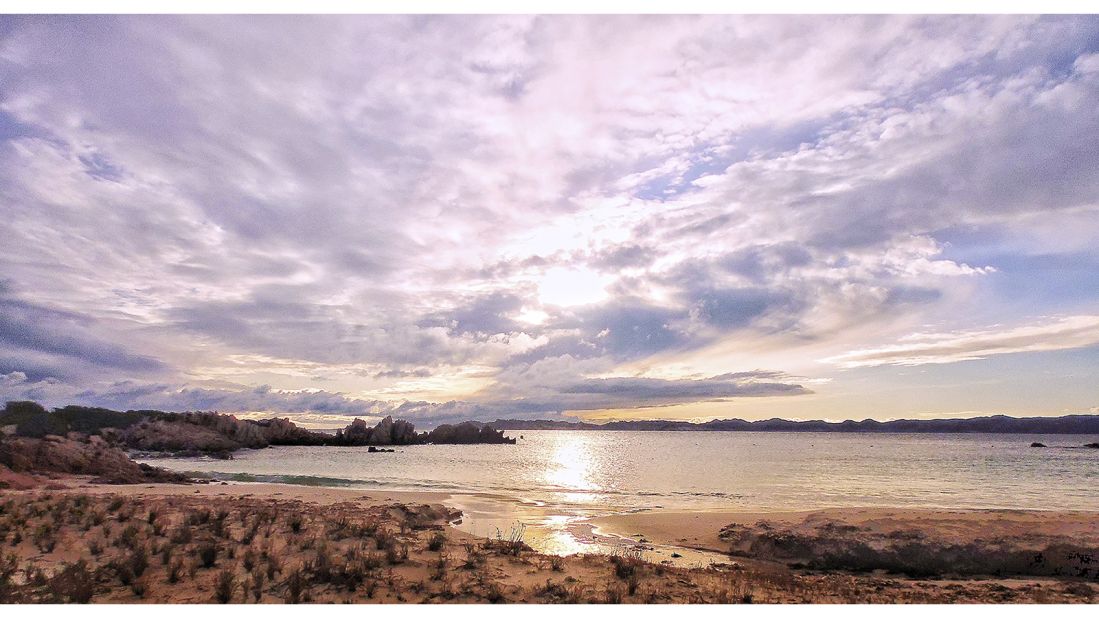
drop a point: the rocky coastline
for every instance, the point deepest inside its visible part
(75, 440)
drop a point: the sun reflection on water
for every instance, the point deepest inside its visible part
(572, 467)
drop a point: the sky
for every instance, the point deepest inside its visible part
(466, 217)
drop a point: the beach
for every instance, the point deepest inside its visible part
(351, 545)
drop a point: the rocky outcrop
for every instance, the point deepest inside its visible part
(283, 432)
(177, 438)
(466, 433)
(16, 480)
(93, 456)
(905, 544)
(211, 433)
(220, 434)
(389, 432)
(382, 432)
(215, 434)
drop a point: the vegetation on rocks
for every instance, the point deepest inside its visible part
(211, 433)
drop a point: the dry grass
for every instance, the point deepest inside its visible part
(59, 547)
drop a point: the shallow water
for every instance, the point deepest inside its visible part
(556, 480)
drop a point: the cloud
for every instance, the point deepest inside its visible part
(46, 341)
(376, 209)
(920, 349)
(606, 393)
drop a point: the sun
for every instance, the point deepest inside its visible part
(566, 287)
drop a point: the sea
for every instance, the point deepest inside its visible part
(557, 480)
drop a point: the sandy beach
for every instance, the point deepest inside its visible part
(272, 543)
(703, 530)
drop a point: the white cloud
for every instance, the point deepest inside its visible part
(392, 195)
(920, 349)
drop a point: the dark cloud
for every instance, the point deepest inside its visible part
(31, 330)
(759, 263)
(653, 391)
(482, 316)
(404, 373)
(734, 308)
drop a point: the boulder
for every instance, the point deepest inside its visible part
(403, 432)
(382, 432)
(1037, 445)
(355, 434)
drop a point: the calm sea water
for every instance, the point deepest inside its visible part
(623, 471)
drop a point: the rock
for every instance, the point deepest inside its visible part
(355, 434)
(283, 432)
(1092, 445)
(374, 449)
(16, 480)
(403, 432)
(382, 432)
(1037, 445)
(58, 455)
(177, 436)
(466, 433)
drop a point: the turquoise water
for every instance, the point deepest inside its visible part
(623, 471)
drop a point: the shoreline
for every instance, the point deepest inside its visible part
(677, 536)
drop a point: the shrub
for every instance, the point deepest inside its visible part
(127, 538)
(249, 559)
(45, 538)
(138, 561)
(614, 594)
(273, 566)
(396, 554)
(295, 584)
(437, 541)
(208, 554)
(224, 586)
(74, 583)
(296, 523)
(257, 585)
(182, 534)
(626, 565)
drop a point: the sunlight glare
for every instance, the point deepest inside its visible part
(565, 287)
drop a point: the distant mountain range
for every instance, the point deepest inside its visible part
(1073, 424)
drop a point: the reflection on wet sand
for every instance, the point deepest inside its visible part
(563, 530)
